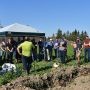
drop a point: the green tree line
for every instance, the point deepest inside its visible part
(71, 36)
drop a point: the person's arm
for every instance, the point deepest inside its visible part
(89, 42)
(86, 44)
(18, 49)
(11, 49)
(8, 48)
(1, 48)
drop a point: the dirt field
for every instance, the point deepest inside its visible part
(71, 78)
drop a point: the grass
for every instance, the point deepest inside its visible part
(40, 67)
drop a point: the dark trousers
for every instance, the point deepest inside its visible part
(87, 54)
(27, 61)
(74, 50)
(4, 56)
(17, 55)
(41, 54)
(62, 54)
(10, 57)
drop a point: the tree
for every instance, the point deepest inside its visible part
(53, 36)
(83, 35)
(59, 34)
(67, 34)
(78, 33)
(64, 35)
(74, 35)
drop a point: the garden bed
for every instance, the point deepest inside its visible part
(58, 79)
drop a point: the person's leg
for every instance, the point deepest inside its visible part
(8, 57)
(11, 57)
(29, 62)
(66, 55)
(24, 62)
(78, 61)
(35, 55)
(55, 50)
(50, 54)
(63, 56)
(85, 54)
(40, 54)
(2, 55)
(4, 58)
(57, 53)
(88, 54)
(74, 50)
(78, 57)
(44, 53)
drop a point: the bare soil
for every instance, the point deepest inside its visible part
(70, 78)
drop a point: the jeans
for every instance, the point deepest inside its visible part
(10, 57)
(40, 55)
(62, 54)
(14, 54)
(27, 61)
(87, 54)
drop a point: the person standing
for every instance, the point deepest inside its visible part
(49, 49)
(62, 51)
(9, 50)
(35, 49)
(78, 49)
(41, 46)
(3, 50)
(74, 45)
(56, 43)
(86, 46)
(27, 49)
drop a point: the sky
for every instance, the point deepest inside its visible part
(47, 15)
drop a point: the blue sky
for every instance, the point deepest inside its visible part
(47, 15)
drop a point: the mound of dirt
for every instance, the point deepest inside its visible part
(70, 78)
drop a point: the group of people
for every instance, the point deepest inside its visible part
(20, 49)
(59, 46)
(60, 49)
(7, 50)
(78, 45)
(26, 50)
